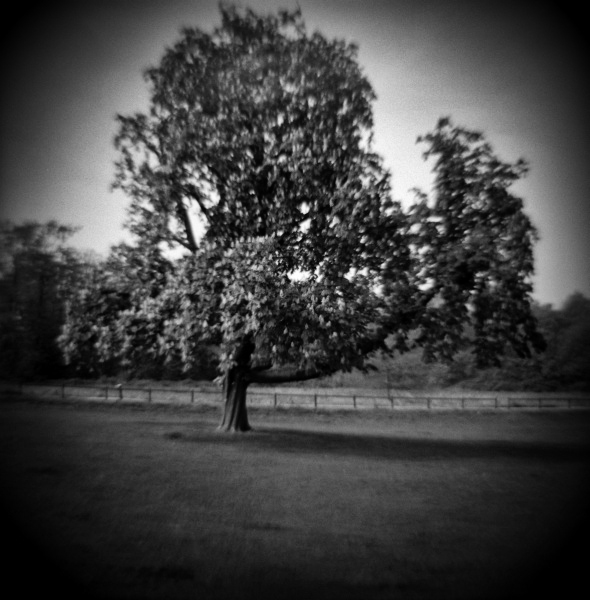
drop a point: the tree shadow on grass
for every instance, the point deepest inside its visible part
(395, 447)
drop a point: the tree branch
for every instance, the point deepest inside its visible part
(188, 228)
(192, 191)
(261, 367)
(286, 374)
(183, 243)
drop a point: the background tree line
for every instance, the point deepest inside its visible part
(37, 268)
(562, 366)
(42, 277)
(306, 266)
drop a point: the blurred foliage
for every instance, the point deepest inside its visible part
(563, 366)
(36, 268)
(117, 316)
(124, 298)
(305, 265)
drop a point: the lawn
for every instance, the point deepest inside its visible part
(152, 502)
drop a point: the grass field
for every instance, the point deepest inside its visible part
(152, 502)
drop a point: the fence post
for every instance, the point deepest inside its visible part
(428, 400)
(354, 401)
(275, 400)
(192, 396)
(149, 394)
(392, 402)
(462, 402)
(315, 401)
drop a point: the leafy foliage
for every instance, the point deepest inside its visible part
(266, 131)
(242, 292)
(476, 249)
(563, 366)
(36, 268)
(255, 159)
(119, 315)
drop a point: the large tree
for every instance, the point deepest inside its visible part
(255, 158)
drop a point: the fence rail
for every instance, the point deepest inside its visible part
(325, 400)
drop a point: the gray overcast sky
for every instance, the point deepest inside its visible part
(515, 70)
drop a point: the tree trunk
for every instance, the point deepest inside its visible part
(235, 415)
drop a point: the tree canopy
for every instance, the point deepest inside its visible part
(255, 159)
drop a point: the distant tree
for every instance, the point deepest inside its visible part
(570, 351)
(304, 264)
(36, 267)
(576, 308)
(562, 366)
(475, 246)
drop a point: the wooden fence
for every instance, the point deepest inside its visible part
(324, 399)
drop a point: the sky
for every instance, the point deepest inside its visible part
(514, 70)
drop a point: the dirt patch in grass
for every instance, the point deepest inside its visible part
(119, 502)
